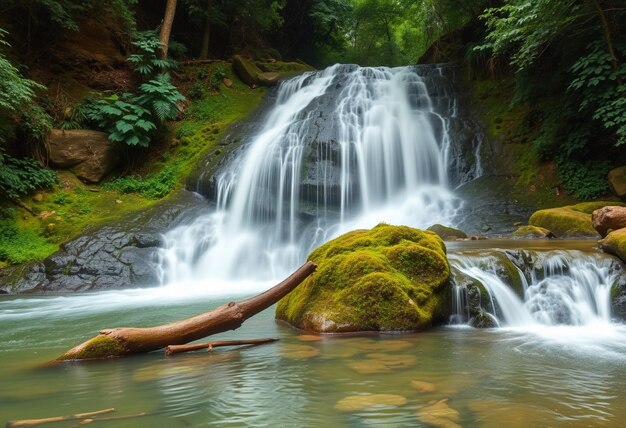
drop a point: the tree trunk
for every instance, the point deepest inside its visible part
(166, 28)
(123, 341)
(206, 34)
(607, 37)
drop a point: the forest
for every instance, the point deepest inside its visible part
(557, 66)
(381, 213)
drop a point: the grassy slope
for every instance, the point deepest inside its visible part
(73, 207)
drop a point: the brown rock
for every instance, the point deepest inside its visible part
(617, 180)
(88, 154)
(608, 218)
(227, 82)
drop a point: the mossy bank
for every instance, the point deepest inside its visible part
(389, 278)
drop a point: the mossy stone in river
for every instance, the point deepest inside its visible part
(389, 278)
(569, 221)
(447, 233)
(564, 222)
(532, 232)
(615, 243)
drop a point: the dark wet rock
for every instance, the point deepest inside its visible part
(121, 255)
(484, 320)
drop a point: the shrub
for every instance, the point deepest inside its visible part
(21, 176)
(154, 187)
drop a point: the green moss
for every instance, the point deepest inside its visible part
(72, 207)
(564, 222)
(615, 243)
(531, 232)
(386, 278)
(446, 232)
(590, 207)
(99, 347)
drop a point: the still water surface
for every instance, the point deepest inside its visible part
(562, 376)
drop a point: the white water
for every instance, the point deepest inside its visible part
(562, 289)
(384, 159)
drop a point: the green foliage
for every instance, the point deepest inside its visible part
(146, 61)
(603, 89)
(584, 179)
(21, 176)
(217, 77)
(123, 119)
(16, 92)
(154, 187)
(52, 15)
(19, 246)
(196, 91)
(160, 97)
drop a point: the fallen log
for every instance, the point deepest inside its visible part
(36, 422)
(124, 341)
(176, 349)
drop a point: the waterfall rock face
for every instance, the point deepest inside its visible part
(341, 149)
(389, 278)
(123, 255)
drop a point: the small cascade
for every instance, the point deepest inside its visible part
(524, 288)
(344, 148)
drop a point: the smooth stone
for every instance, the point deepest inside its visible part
(299, 351)
(439, 414)
(422, 386)
(355, 403)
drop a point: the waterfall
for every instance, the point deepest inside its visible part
(534, 288)
(343, 148)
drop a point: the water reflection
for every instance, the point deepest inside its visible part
(448, 377)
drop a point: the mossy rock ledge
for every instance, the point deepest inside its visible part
(389, 278)
(569, 221)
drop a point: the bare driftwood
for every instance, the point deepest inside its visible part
(36, 422)
(176, 349)
(88, 421)
(123, 341)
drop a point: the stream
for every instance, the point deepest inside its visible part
(343, 148)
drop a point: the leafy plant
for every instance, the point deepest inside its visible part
(21, 176)
(603, 89)
(123, 119)
(160, 97)
(146, 61)
(218, 76)
(196, 91)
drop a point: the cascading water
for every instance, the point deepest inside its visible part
(343, 148)
(532, 289)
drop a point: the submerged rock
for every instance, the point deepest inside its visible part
(389, 278)
(609, 218)
(355, 403)
(484, 320)
(439, 414)
(447, 233)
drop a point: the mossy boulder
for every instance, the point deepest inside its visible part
(389, 278)
(569, 221)
(615, 243)
(447, 233)
(564, 222)
(252, 75)
(532, 232)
